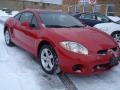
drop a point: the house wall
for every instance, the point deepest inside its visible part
(106, 2)
(103, 3)
(19, 5)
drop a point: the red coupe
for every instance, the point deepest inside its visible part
(61, 42)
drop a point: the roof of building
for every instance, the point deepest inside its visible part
(40, 10)
(58, 2)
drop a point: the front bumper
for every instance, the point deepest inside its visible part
(85, 64)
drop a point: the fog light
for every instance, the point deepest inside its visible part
(77, 68)
(98, 67)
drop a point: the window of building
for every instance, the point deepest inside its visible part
(71, 9)
(97, 8)
(110, 10)
(86, 7)
(77, 8)
(83, 1)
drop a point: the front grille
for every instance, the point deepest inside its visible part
(102, 52)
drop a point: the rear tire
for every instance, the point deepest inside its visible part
(48, 59)
(8, 38)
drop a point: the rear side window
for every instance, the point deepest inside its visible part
(17, 17)
(26, 16)
(34, 22)
(87, 16)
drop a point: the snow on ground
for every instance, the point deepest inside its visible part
(19, 71)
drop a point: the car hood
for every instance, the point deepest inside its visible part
(92, 39)
(108, 27)
(114, 18)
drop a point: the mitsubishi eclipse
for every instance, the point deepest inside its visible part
(61, 43)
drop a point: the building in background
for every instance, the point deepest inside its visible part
(108, 7)
(22, 4)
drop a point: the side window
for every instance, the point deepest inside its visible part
(82, 16)
(102, 18)
(17, 17)
(26, 16)
(34, 22)
(86, 16)
(99, 18)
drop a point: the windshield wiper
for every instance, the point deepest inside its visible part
(62, 26)
(57, 26)
(77, 26)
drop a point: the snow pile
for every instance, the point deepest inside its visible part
(4, 16)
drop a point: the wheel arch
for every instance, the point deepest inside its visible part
(115, 32)
(5, 28)
(43, 42)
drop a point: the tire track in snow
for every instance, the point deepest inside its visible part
(69, 85)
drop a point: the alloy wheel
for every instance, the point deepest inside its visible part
(47, 59)
(7, 37)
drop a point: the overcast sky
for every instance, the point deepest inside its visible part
(48, 1)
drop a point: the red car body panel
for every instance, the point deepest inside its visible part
(95, 40)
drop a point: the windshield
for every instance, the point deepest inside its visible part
(103, 18)
(59, 20)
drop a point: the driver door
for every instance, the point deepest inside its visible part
(25, 34)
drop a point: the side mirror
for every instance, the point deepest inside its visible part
(25, 24)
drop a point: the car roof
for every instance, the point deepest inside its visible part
(95, 13)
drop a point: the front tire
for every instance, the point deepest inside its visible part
(8, 38)
(116, 37)
(48, 59)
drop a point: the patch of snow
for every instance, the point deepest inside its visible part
(19, 71)
(114, 18)
(4, 16)
(59, 2)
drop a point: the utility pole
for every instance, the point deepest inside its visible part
(83, 5)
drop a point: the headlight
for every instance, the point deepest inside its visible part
(74, 47)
